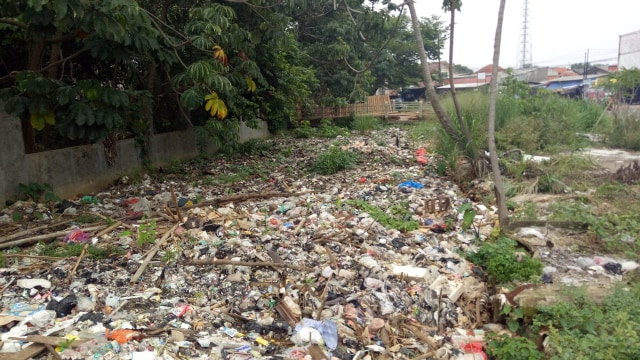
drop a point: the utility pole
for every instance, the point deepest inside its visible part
(524, 52)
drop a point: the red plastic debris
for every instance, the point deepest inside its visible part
(77, 235)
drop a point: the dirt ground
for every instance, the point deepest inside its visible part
(612, 159)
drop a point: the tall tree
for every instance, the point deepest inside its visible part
(503, 213)
(462, 139)
(444, 119)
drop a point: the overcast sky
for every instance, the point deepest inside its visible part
(561, 31)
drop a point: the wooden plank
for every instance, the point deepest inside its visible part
(50, 340)
(29, 352)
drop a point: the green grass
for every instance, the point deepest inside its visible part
(364, 124)
(334, 160)
(398, 217)
(497, 257)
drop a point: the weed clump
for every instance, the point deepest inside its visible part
(334, 160)
(399, 217)
(364, 124)
(503, 263)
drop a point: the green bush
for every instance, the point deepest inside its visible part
(304, 130)
(334, 160)
(498, 258)
(328, 129)
(397, 217)
(504, 347)
(583, 329)
(625, 130)
(364, 124)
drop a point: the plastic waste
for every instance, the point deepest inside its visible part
(77, 235)
(123, 336)
(31, 283)
(410, 184)
(421, 156)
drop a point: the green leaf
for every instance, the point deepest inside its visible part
(506, 310)
(16, 105)
(65, 94)
(513, 325)
(37, 4)
(192, 98)
(518, 313)
(60, 8)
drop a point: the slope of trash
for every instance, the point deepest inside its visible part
(251, 257)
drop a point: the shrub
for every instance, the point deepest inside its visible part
(583, 329)
(498, 258)
(328, 130)
(304, 130)
(364, 124)
(504, 347)
(334, 160)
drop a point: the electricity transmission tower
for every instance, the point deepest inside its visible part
(524, 47)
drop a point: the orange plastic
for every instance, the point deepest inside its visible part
(123, 336)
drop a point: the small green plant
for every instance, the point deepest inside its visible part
(147, 233)
(334, 160)
(387, 220)
(63, 345)
(582, 328)
(169, 256)
(16, 216)
(304, 130)
(38, 192)
(468, 215)
(505, 347)
(74, 249)
(499, 259)
(255, 147)
(528, 212)
(366, 123)
(328, 130)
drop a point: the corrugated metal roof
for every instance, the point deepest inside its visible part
(464, 86)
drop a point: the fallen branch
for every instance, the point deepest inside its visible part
(246, 263)
(152, 253)
(75, 267)
(175, 203)
(39, 257)
(323, 300)
(421, 336)
(113, 226)
(300, 226)
(240, 197)
(35, 239)
(29, 231)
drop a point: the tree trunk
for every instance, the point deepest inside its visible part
(470, 147)
(34, 63)
(426, 74)
(503, 214)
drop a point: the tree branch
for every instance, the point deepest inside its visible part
(14, 23)
(74, 55)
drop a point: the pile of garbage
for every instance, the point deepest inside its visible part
(281, 264)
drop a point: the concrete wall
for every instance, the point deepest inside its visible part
(84, 169)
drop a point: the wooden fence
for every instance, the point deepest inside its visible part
(377, 105)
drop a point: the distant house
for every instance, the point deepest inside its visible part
(595, 70)
(571, 86)
(476, 80)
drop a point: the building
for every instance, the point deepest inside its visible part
(629, 51)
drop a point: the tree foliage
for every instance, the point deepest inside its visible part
(100, 67)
